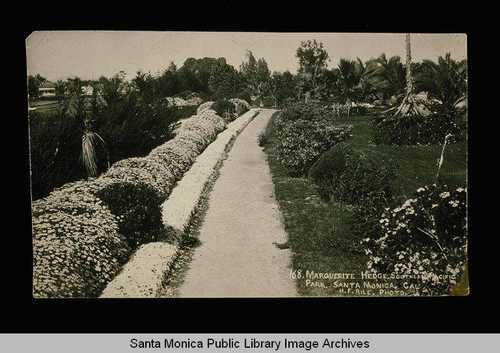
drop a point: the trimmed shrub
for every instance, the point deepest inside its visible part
(85, 231)
(76, 245)
(343, 175)
(423, 239)
(143, 170)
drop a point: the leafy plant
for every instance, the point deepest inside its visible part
(263, 139)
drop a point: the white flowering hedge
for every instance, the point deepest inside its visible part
(84, 231)
(144, 274)
(424, 240)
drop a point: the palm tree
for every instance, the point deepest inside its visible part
(387, 76)
(351, 73)
(410, 106)
(445, 81)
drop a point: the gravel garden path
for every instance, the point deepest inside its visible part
(239, 254)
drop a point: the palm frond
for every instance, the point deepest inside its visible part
(90, 142)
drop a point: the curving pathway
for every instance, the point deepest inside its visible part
(238, 256)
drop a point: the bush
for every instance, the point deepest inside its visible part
(226, 109)
(301, 142)
(424, 239)
(241, 106)
(76, 245)
(263, 139)
(342, 175)
(305, 111)
(55, 148)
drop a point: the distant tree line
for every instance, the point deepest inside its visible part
(116, 118)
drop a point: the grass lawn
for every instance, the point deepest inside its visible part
(321, 234)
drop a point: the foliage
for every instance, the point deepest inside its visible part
(281, 87)
(301, 110)
(224, 81)
(415, 129)
(263, 139)
(34, 83)
(444, 81)
(303, 138)
(55, 140)
(225, 109)
(255, 74)
(313, 59)
(112, 214)
(423, 239)
(241, 106)
(138, 208)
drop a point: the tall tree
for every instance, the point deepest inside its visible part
(350, 73)
(34, 83)
(256, 74)
(224, 82)
(313, 61)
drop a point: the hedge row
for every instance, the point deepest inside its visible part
(84, 231)
(144, 274)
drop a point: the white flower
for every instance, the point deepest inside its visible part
(454, 203)
(420, 189)
(444, 195)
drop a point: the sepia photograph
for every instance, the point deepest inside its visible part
(220, 164)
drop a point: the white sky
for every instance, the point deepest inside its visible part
(91, 54)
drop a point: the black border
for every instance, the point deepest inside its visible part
(305, 315)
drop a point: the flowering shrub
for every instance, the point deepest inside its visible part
(76, 245)
(424, 240)
(142, 276)
(143, 170)
(181, 102)
(301, 142)
(241, 106)
(305, 111)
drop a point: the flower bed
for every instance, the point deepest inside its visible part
(83, 232)
(423, 240)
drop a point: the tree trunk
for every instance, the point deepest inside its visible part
(409, 77)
